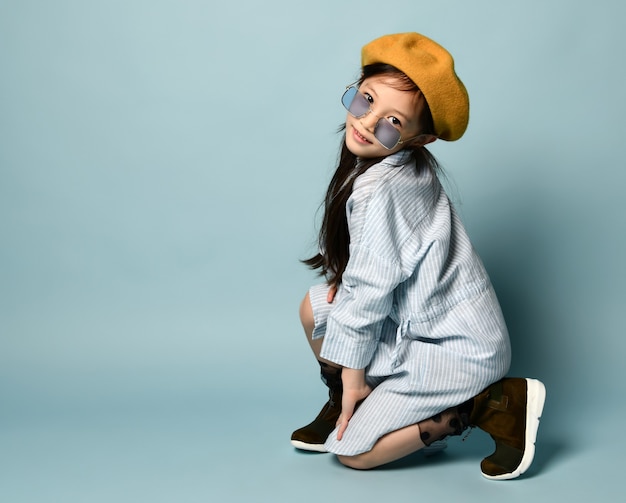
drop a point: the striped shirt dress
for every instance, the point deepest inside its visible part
(415, 308)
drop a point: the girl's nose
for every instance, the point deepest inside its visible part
(369, 121)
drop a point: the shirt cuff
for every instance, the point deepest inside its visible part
(348, 350)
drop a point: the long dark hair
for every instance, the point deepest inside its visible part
(334, 239)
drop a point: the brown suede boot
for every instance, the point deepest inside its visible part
(312, 436)
(509, 410)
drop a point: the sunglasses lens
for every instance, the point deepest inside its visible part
(355, 102)
(386, 134)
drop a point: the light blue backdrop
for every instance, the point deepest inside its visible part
(161, 168)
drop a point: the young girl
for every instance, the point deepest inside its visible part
(407, 328)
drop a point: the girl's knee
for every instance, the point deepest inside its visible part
(358, 462)
(306, 314)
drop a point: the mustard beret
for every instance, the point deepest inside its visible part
(431, 68)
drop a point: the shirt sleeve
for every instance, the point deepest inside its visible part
(378, 232)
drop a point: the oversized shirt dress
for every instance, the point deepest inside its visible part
(415, 308)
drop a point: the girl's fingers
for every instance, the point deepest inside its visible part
(342, 422)
(342, 427)
(331, 294)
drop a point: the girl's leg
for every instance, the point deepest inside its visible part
(509, 410)
(312, 436)
(409, 439)
(393, 446)
(308, 323)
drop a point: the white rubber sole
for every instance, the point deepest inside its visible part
(308, 447)
(535, 400)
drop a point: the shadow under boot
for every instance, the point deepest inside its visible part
(313, 436)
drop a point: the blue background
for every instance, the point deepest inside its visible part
(161, 169)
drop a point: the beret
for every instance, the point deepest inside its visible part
(431, 68)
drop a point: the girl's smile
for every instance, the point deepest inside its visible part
(359, 137)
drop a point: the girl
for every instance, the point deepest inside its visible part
(407, 328)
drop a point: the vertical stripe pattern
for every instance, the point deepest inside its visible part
(416, 308)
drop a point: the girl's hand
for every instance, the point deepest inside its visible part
(354, 391)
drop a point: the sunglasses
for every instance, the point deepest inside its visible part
(358, 106)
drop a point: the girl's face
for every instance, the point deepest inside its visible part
(401, 108)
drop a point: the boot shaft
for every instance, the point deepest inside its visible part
(331, 377)
(500, 410)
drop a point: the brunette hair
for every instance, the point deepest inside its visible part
(334, 239)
